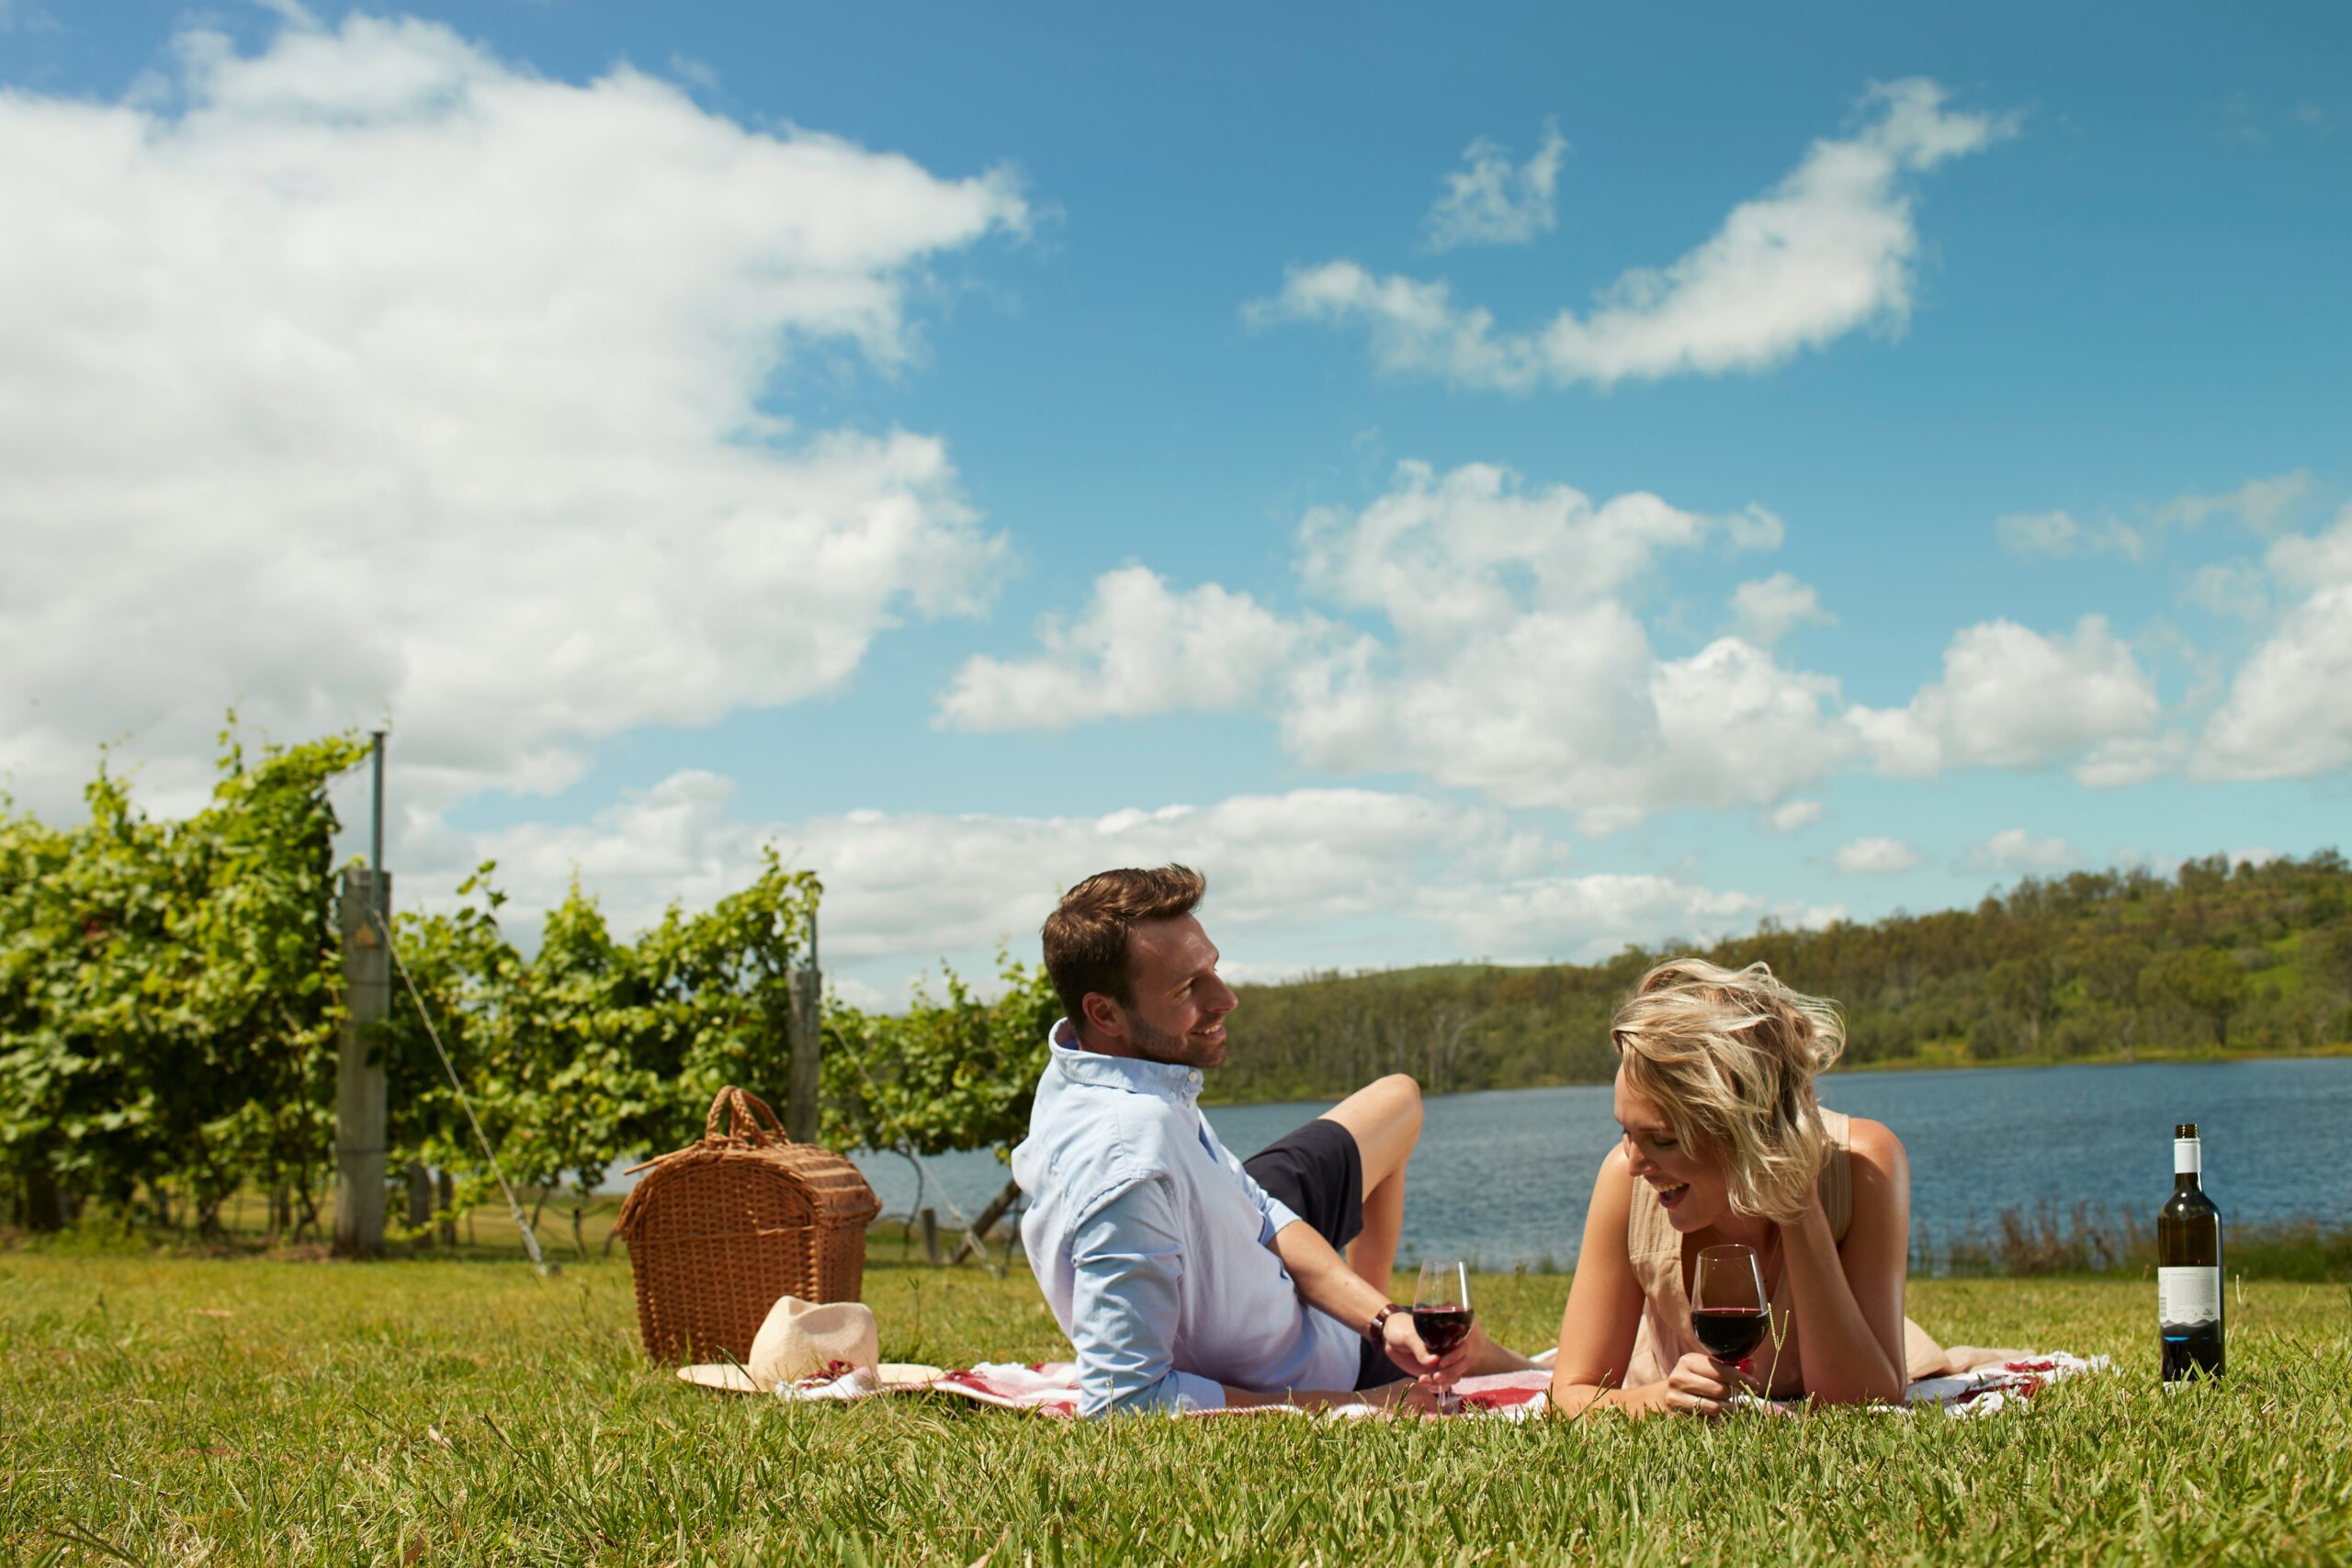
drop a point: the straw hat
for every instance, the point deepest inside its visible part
(808, 1339)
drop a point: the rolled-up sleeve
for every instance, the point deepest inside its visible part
(1127, 1257)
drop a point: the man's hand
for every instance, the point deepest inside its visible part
(1403, 1343)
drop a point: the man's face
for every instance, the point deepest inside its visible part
(1180, 1006)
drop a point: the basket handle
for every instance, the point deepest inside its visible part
(748, 1117)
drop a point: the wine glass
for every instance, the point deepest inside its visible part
(1728, 1310)
(1442, 1313)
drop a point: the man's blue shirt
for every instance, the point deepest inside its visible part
(1154, 1247)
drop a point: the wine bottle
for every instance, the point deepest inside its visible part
(2188, 1268)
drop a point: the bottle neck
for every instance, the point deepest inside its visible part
(2187, 1164)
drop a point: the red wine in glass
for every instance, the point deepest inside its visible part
(1442, 1326)
(1728, 1309)
(1730, 1333)
(1441, 1312)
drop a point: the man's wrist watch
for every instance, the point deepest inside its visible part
(1376, 1330)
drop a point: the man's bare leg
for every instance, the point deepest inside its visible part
(1386, 1118)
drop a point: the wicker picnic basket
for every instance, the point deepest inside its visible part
(718, 1231)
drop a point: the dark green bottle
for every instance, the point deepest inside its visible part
(2188, 1268)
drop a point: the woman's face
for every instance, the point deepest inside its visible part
(1690, 1187)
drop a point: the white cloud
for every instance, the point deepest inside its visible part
(1486, 633)
(2013, 698)
(1796, 814)
(1512, 662)
(379, 377)
(2236, 589)
(293, 13)
(694, 72)
(2057, 535)
(1517, 669)
(2013, 849)
(31, 18)
(1304, 879)
(1514, 666)
(1446, 553)
(1139, 647)
(1875, 857)
(913, 885)
(2285, 715)
(1488, 202)
(2262, 504)
(2129, 760)
(1585, 918)
(1764, 611)
(2317, 560)
(1829, 250)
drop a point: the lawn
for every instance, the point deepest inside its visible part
(176, 1410)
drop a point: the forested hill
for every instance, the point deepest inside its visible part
(2251, 959)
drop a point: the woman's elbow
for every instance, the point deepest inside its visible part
(1869, 1385)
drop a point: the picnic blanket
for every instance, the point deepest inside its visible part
(1051, 1388)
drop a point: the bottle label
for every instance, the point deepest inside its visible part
(2186, 1298)
(2189, 1157)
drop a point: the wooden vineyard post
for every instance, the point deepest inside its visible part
(807, 1040)
(358, 1073)
(420, 1201)
(363, 914)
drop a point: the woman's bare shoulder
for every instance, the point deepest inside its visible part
(1874, 1143)
(1613, 1187)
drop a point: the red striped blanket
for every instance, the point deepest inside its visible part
(1051, 1388)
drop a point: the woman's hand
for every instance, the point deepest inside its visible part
(1697, 1386)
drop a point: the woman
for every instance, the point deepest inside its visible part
(1723, 1142)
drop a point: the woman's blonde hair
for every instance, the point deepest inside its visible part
(1729, 1057)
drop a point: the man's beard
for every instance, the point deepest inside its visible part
(1174, 1050)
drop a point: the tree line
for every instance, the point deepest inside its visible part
(171, 993)
(2219, 958)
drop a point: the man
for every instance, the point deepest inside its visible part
(1185, 1277)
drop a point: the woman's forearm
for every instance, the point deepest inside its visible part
(1842, 1359)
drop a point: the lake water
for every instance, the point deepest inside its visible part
(1504, 1177)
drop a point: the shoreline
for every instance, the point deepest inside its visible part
(1962, 1061)
(1959, 1062)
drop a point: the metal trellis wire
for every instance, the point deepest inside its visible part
(513, 1205)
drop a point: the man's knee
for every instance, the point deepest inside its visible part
(1400, 1100)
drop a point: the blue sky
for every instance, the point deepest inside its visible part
(1508, 488)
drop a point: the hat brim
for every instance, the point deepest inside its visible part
(729, 1377)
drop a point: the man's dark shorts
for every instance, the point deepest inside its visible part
(1317, 1172)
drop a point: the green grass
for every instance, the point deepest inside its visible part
(172, 1410)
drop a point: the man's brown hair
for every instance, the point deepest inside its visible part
(1086, 936)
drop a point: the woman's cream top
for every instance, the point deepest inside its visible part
(1655, 1248)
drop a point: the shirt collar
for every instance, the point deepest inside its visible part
(1167, 1081)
